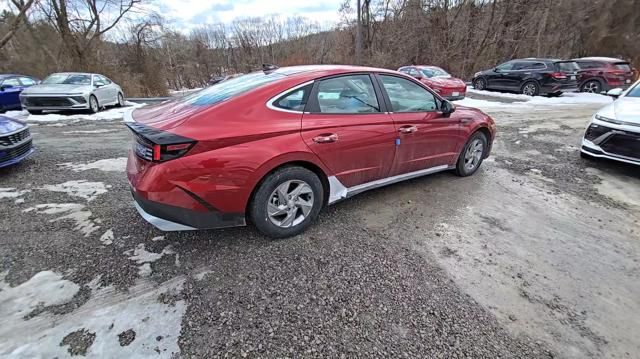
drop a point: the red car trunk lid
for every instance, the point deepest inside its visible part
(166, 115)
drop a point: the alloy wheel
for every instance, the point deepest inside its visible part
(529, 89)
(94, 104)
(120, 100)
(591, 87)
(290, 203)
(480, 85)
(473, 155)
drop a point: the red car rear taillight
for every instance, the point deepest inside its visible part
(158, 146)
(559, 75)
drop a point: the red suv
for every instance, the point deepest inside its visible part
(274, 147)
(439, 80)
(598, 74)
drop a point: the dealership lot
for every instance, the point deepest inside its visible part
(536, 255)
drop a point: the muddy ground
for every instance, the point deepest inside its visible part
(536, 256)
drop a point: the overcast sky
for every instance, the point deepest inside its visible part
(186, 14)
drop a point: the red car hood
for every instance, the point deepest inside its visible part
(166, 115)
(444, 82)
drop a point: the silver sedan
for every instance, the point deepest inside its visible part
(72, 91)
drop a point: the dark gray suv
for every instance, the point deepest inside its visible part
(531, 76)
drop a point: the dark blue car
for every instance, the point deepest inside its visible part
(15, 141)
(10, 88)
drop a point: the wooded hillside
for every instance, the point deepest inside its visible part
(144, 54)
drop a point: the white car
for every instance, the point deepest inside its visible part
(72, 91)
(614, 131)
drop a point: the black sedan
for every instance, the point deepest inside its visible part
(531, 76)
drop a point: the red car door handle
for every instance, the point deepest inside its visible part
(407, 129)
(326, 138)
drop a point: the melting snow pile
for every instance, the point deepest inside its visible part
(108, 115)
(68, 211)
(83, 189)
(118, 164)
(83, 132)
(12, 193)
(518, 101)
(28, 330)
(143, 257)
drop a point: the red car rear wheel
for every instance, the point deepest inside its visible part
(287, 202)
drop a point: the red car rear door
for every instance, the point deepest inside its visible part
(426, 137)
(346, 126)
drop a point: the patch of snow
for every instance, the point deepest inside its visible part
(157, 239)
(89, 131)
(621, 188)
(43, 289)
(569, 98)
(118, 164)
(481, 104)
(184, 91)
(17, 114)
(200, 276)
(82, 188)
(12, 193)
(69, 211)
(145, 270)
(107, 237)
(510, 96)
(107, 313)
(112, 114)
(141, 255)
(19, 200)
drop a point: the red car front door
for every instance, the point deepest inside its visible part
(345, 127)
(426, 138)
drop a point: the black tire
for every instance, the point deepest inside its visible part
(35, 112)
(120, 100)
(262, 197)
(591, 86)
(93, 109)
(530, 88)
(480, 84)
(462, 169)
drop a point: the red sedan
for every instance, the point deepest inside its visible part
(439, 80)
(274, 147)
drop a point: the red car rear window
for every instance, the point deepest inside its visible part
(227, 89)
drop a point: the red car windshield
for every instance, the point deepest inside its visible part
(230, 88)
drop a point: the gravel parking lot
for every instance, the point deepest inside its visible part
(536, 256)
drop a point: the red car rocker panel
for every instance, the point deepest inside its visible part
(275, 146)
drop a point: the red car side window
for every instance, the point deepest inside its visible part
(352, 94)
(406, 96)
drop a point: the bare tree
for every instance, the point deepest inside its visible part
(81, 22)
(13, 27)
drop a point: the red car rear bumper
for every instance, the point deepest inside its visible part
(170, 206)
